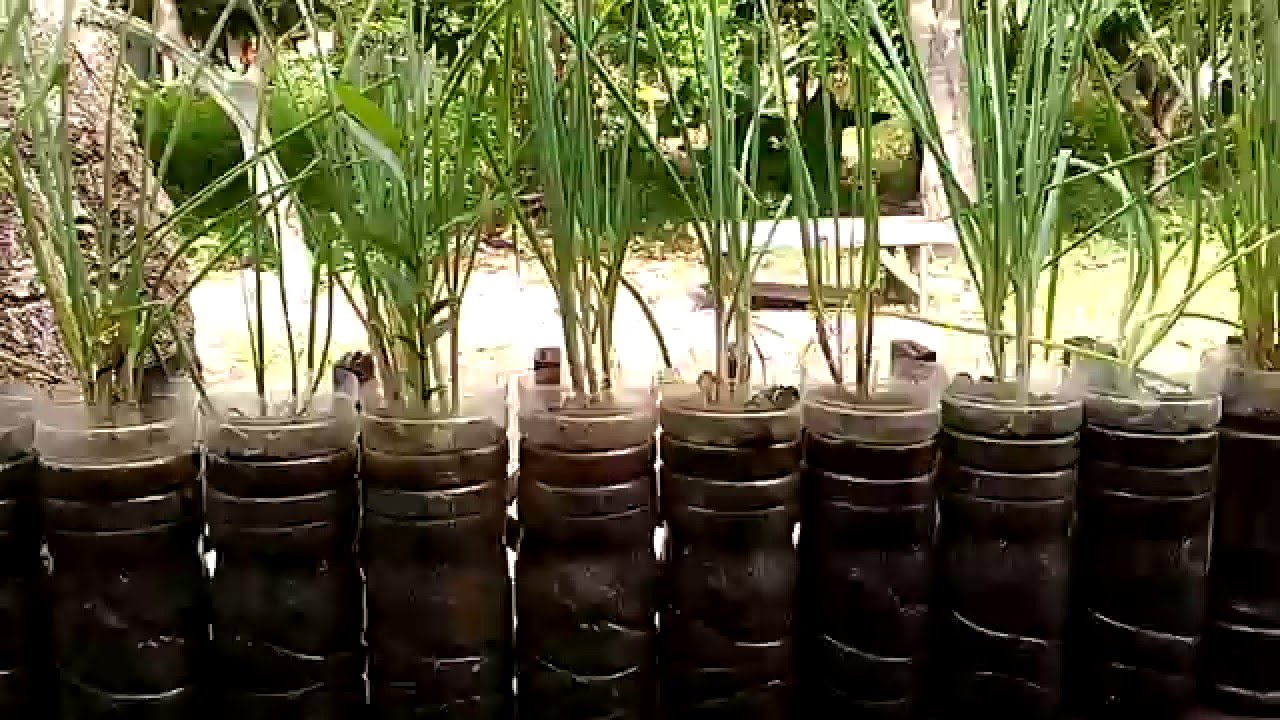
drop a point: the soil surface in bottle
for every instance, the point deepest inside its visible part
(1002, 566)
(438, 590)
(586, 578)
(128, 589)
(730, 578)
(1140, 574)
(287, 588)
(1240, 670)
(24, 627)
(866, 538)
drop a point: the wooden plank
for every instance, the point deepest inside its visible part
(895, 231)
(901, 270)
(778, 296)
(795, 296)
(923, 254)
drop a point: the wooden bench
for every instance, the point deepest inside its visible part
(911, 235)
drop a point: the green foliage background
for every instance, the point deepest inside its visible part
(208, 145)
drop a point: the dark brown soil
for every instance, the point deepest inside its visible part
(865, 546)
(433, 549)
(1242, 640)
(1141, 571)
(128, 588)
(25, 668)
(287, 589)
(727, 646)
(586, 584)
(1002, 562)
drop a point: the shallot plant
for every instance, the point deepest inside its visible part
(1022, 61)
(1221, 151)
(836, 260)
(410, 192)
(102, 273)
(1240, 47)
(582, 165)
(720, 187)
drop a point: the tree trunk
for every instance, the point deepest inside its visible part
(935, 31)
(1155, 107)
(1163, 128)
(30, 348)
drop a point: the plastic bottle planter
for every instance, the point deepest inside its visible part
(1006, 489)
(283, 506)
(439, 594)
(586, 573)
(1141, 553)
(1242, 641)
(731, 499)
(120, 504)
(866, 540)
(24, 639)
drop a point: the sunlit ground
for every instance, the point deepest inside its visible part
(510, 311)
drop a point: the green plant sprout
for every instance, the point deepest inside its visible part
(1022, 60)
(582, 166)
(1150, 307)
(101, 287)
(851, 268)
(723, 205)
(1241, 41)
(410, 209)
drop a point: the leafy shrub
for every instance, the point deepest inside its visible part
(206, 147)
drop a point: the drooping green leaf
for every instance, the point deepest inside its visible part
(370, 116)
(380, 151)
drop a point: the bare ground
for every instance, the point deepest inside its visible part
(510, 310)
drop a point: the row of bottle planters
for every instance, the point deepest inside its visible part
(989, 560)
